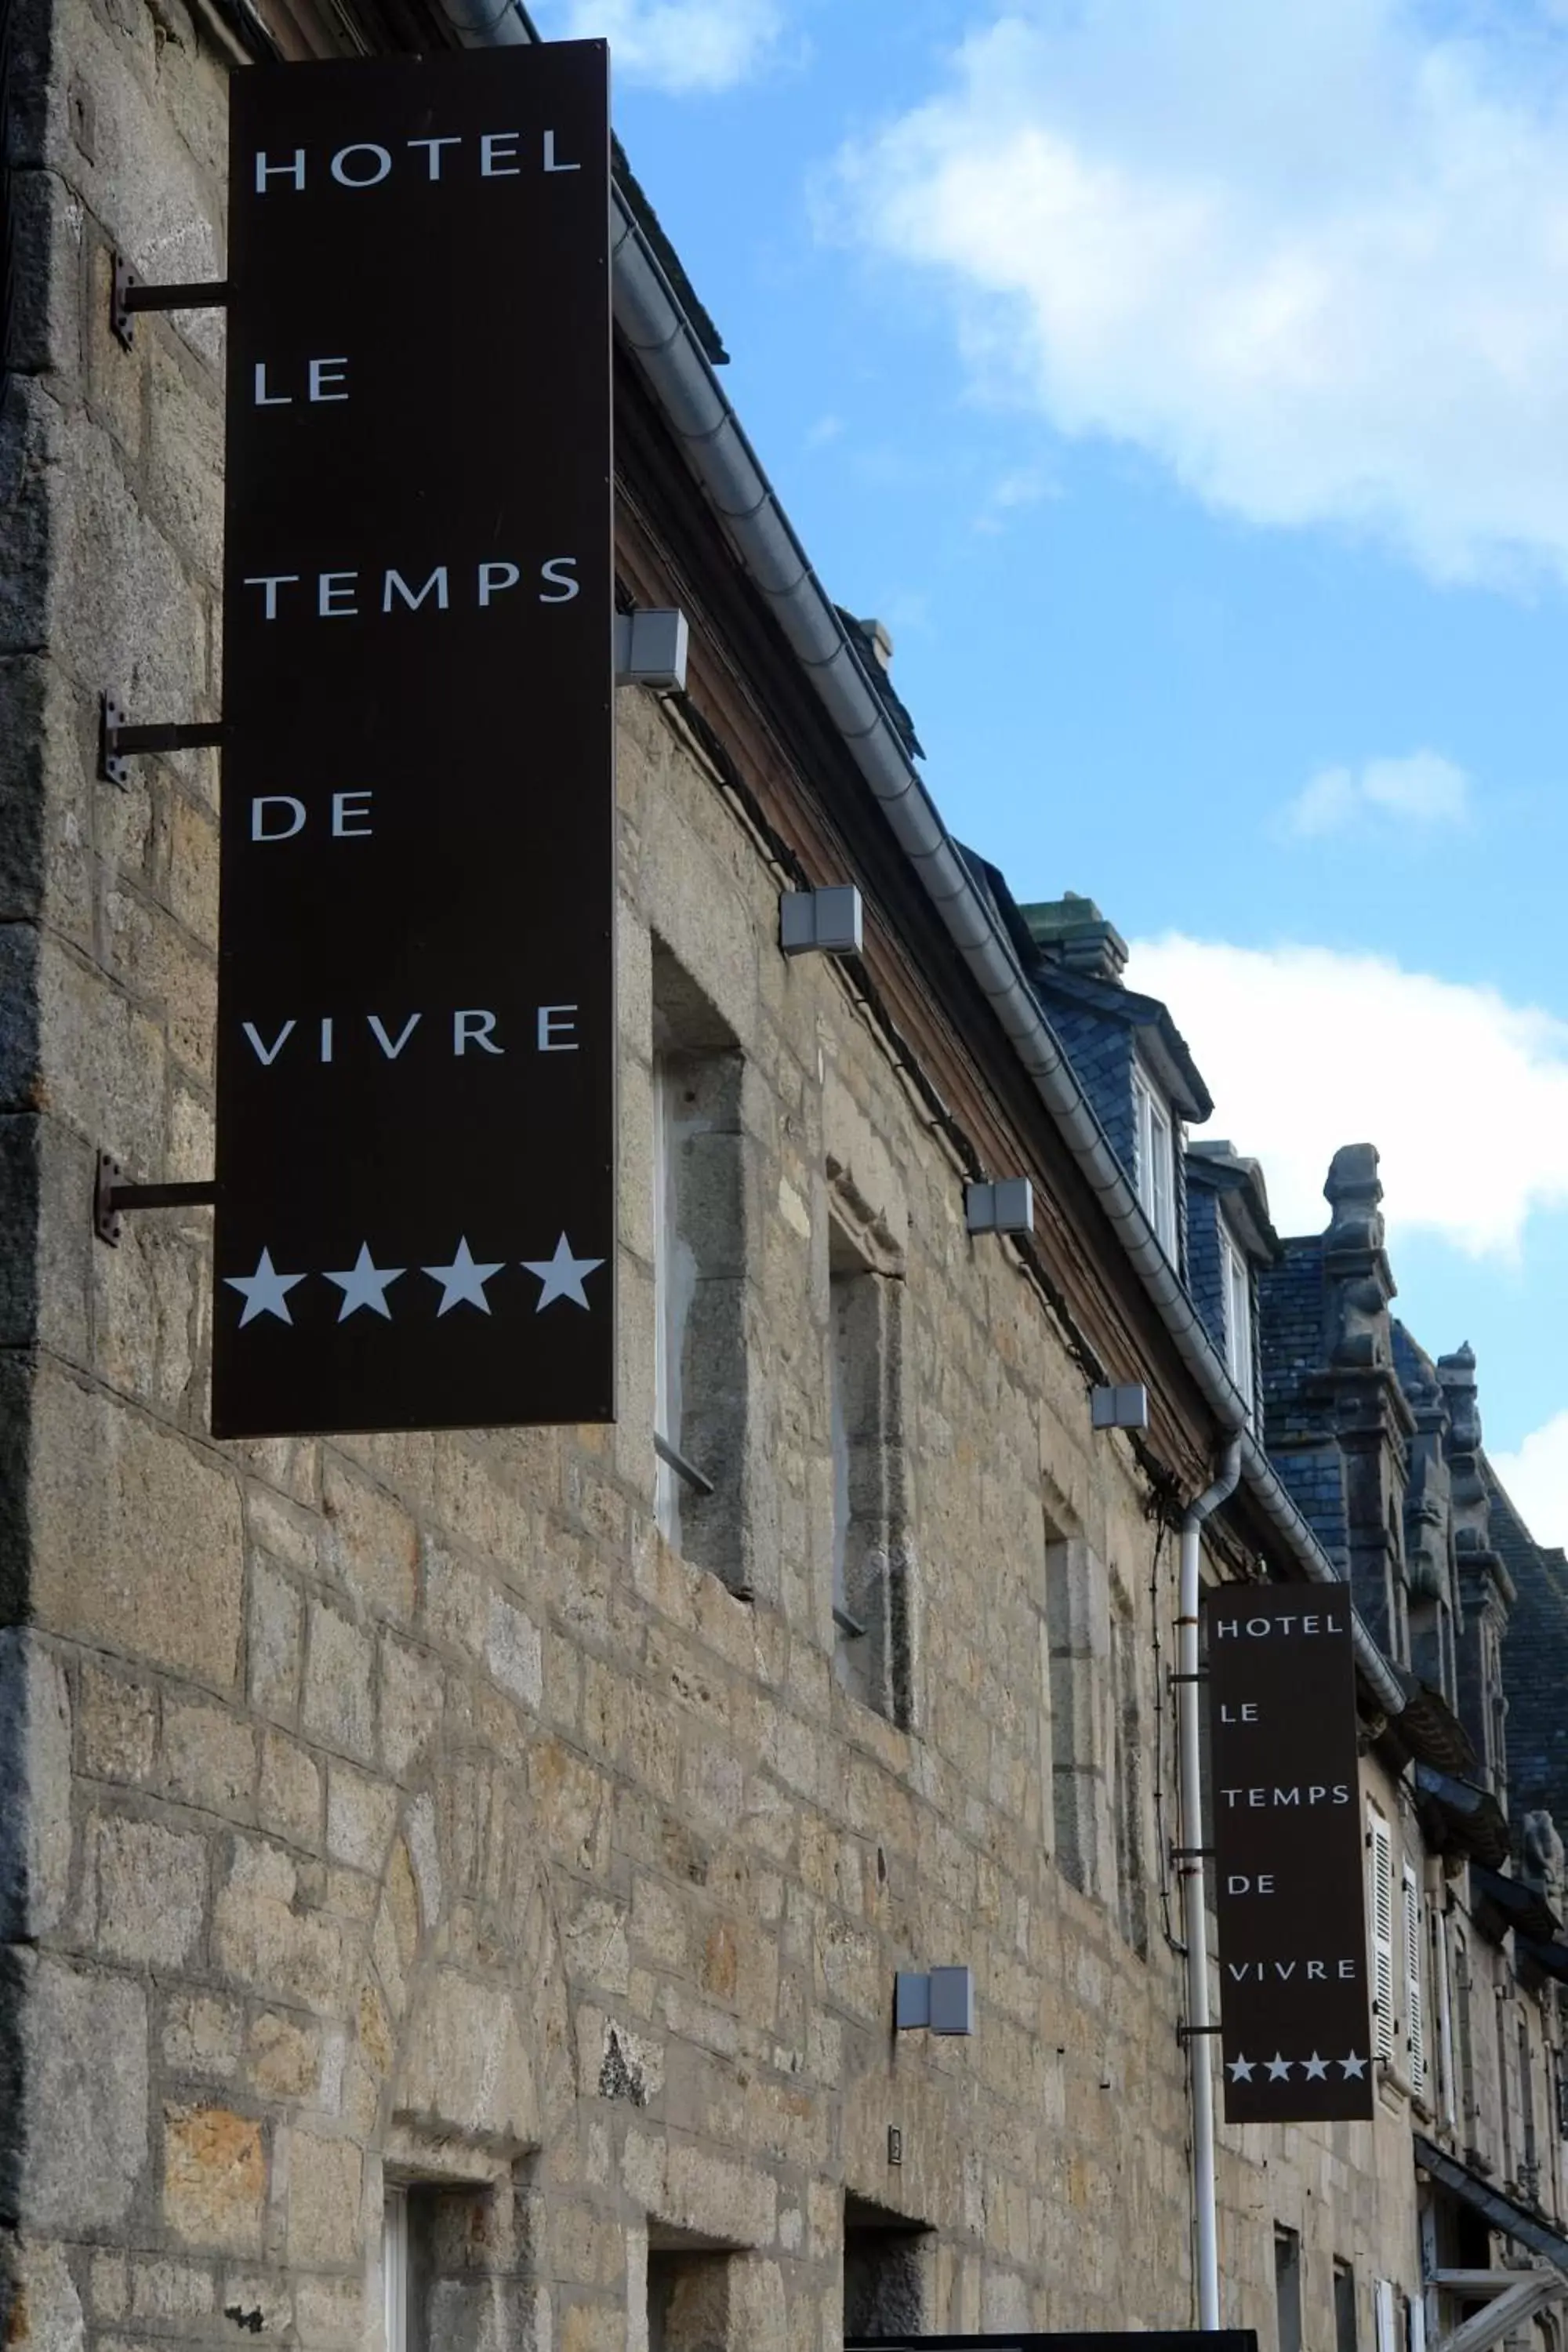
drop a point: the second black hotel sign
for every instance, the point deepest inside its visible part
(415, 1145)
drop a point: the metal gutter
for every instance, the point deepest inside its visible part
(655, 328)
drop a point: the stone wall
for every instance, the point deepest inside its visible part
(405, 1808)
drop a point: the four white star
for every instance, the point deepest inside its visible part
(364, 1284)
(1314, 2068)
(265, 1292)
(562, 1276)
(463, 1282)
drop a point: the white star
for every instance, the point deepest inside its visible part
(364, 1284)
(1278, 2069)
(562, 1276)
(265, 1292)
(1352, 2065)
(1240, 2069)
(1316, 2069)
(463, 1282)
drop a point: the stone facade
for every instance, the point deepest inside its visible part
(464, 1816)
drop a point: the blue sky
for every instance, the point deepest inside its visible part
(1185, 384)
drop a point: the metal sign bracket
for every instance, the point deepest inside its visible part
(112, 1198)
(119, 742)
(128, 295)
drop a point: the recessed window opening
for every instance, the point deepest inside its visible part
(1156, 1162)
(1127, 1779)
(872, 1598)
(1505, 2083)
(411, 2233)
(885, 2257)
(700, 1399)
(1288, 2287)
(1345, 2323)
(1529, 2159)
(689, 2300)
(1464, 1991)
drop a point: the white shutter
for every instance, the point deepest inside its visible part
(1415, 2323)
(1414, 2007)
(1379, 1908)
(1383, 2306)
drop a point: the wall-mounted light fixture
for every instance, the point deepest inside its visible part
(1119, 1408)
(1006, 1206)
(943, 2000)
(650, 648)
(821, 922)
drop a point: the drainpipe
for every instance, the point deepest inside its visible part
(1194, 1911)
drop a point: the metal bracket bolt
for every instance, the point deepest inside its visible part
(128, 295)
(112, 1198)
(119, 742)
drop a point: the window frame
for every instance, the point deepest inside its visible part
(1235, 1276)
(871, 1504)
(394, 2267)
(1155, 1157)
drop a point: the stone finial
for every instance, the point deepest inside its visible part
(1353, 1259)
(1472, 1507)
(1456, 1374)
(1352, 1190)
(1545, 1861)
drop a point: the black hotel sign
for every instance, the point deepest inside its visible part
(415, 1145)
(1288, 1855)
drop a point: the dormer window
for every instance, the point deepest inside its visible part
(1157, 1163)
(1236, 1278)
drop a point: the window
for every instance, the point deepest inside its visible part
(675, 1282)
(1127, 1780)
(1288, 2287)
(1385, 2312)
(885, 2259)
(1077, 1625)
(1157, 1163)
(1529, 2159)
(1466, 2053)
(394, 2268)
(699, 1280)
(1345, 2329)
(871, 1595)
(1237, 1276)
(689, 2304)
(1414, 2000)
(1441, 1975)
(1504, 2082)
(1380, 1911)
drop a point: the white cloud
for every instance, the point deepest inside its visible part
(1465, 1095)
(1314, 257)
(1536, 1478)
(1421, 789)
(1023, 487)
(680, 46)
